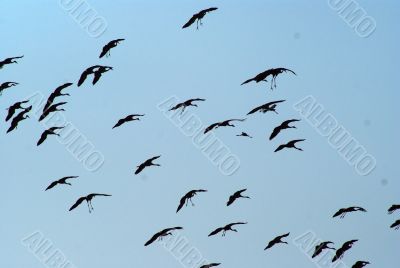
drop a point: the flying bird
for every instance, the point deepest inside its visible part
(9, 61)
(107, 48)
(396, 225)
(88, 200)
(244, 134)
(226, 228)
(147, 163)
(276, 240)
(209, 265)
(343, 211)
(267, 107)
(284, 125)
(393, 208)
(96, 70)
(50, 131)
(188, 197)
(53, 108)
(290, 144)
(18, 118)
(56, 93)
(320, 247)
(131, 117)
(345, 247)
(262, 77)
(161, 234)
(226, 123)
(14, 107)
(360, 264)
(236, 195)
(61, 181)
(6, 85)
(185, 104)
(198, 17)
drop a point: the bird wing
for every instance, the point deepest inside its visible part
(54, 183)
(286, 70)
(119, 123)
(255, 110)
(190, 22)
(236, 223)
(232, 199)
(209, 9)
(181, 203)
(275, 132)
(216, 231)
(42, 137)
(211, 127)
(233, 120)
(153, 238)
(64, 179)
(105, 49)
(393, 208)
(293, 142)
(273, 102)
(140, 168)
(247, 81)
(280, 147)
(339, 212)
(78, 202)
(284, 235)
(154, 158)
(96, 78)
(395, 224)
(83, 77)
(270, 244)
(10, 113)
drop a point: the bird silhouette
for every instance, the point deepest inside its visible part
(185, 104)
(393, 208)
(96, 70)
(226, 228)
(290, 144)
(88, 200)
(244, 134)
(284, 125)
(262, 77)
(360, 264)
(53, 108)
(267, 107)
(198, 17)
(343, 211)
(18, 118)
(147, 163)
(131, 117)
(61, 181)
(396, 225)
(236, 195)
(226, 123)
(345, 247)
(9, 61)
(56, 93)
(107, 48)
(276, 240)
(320, 247)
(14, 107)
(6, 85)
(47, 132)
(161, 234)
(209, 265)
(188, 197)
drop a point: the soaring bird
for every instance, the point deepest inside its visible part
(131, 117)
(97, 70)
(290, 144)
(161, 234)
(345, 247)
(274, 72)
(393, 208)
(53, 108)
(188, 197)
(107, 48)
(18, 118)
(360, 264)
(9, 61)
(6, 85)
(343, 211)
(61, 181)
(226, 228)
(244, 134)
(185, 104)
(396, 225)
(209, 265)
(267, 107)
(147, 163)
(276, 240)
(198, 17)
(88, 200)
(236, 195)
(226, 123)
(320, 247)
(56, 93)
(13, 108)
(284, 125)
(47, 132)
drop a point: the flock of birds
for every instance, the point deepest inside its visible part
(98, 70)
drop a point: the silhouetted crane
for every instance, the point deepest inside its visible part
(320, 247)
(61, 181)
(198, 17)
(396, 225)
(290, 144)
(185, 104)
(236, 195)
(226, 123)
(6, 85)
(14, 107)
(53, 108)
(209, 265)
(131, 117)
(345, 247)
(274, 72)
(9, 61)
(47, 132)
(276, 240)
(226, 228)
(244, 134)
(267, 107)
(360, 264)
(18, 118)
(161, 234)
(56, 93)
(393, 208)
(343, 211)
(107, 48)
(88, 200)
(188, 197)
(97, 70)
(284, 125)
(147, 163)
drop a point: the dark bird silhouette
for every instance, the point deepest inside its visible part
(226, 228)
(320, 247)
(267, 107)
(198, 17)
(56, 93)
(244, 134)
(209, 265)
(18, 118)
(97, 70)
(131, 117)
(13, 108)
(290, 144)
(276, 240)
(47, 132)
(88, 200)
(262, 77)
(61, 181)
(107, 48)
(161, 234)
(10, 61)
(188, 197)
(147, 163)
(343, 211)
(185, 104)
(284, 125)
(6, 85)
(360, 264)
(53, 108)
(396, 225)
(393, 208)
(236, 195)
(226, 123)
(345, 247)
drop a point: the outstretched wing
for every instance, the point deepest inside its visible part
(10, 113)
(247, 81)
(119, 123)
(181, 203)
(275, 132)
(140, 168)
(104, 51)
(152, 239)
(42, 138)
(190, 22)
(209, 9)
(395, 224)
(254, 110)
(216, 231)
(280, 147)
(83, 77)
(96, 78)
(54, 183)
(210, 127)
(77, 203)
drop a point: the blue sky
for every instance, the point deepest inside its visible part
(353, 77)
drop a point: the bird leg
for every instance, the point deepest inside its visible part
(90, 211)
(342, 216)
(190, 199)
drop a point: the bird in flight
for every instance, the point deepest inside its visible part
(284, 125)
(107, 48)
(209, 265)
(198, 17)
(393, 208)
(50, 131)
(13, 108)
(244, 134)
(396, 225)
(161, 234)
(6, 85)
(18, 118)
(345, 247)
(53, 108)
(262, 77)
(188, 197)
(276, 240)
(320, 247)
(61, 181)
(267, 107)
(131, 117)
(290, 144)
(343, 211)
(56, 93)
(9, 61)
(226, 123)
(96, 70)
(147, 163)
(88, 200)
(236, 195)
(360, 264)
(226, 228)
(185, 104)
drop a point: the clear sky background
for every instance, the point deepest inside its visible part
(354, 78)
